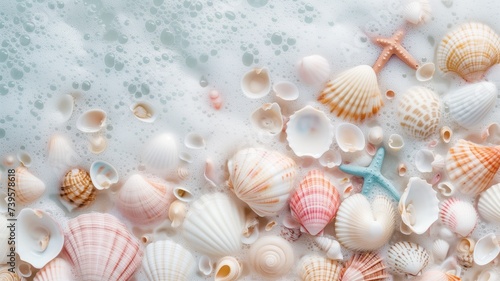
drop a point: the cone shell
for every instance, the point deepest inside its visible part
(28, 187)
(354, 94)
(406, 258)
(459, 216)
(316, 268)
(437, 275)
(56, 270)
(314, 69)
(6, 275)
(364, 266)
(101, 248)
(489, 204)
(167, 260)
(471, 167)
(77, 190)
(271, 256)
(419, 112)
(263, 179)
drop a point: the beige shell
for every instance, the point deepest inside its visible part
(364, 266)
(419, 112)
(77, 190)
(167, 260)
(61, 154)
(6, 275)
(28, 187)
(56, 270)
(228, 269)
(177, 213)
(314, 69)
(271, 256)
(489, 204)
(465, 252)
(316, 268)
(407, 258)
(469, 51)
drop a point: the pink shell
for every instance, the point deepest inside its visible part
(101, 248)
(56, 270)
(315, 202)
(459, 216)
(215, 99)
(364, 266)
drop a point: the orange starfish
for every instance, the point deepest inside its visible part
(392, 46)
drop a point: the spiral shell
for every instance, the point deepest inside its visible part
(459, 216)
(56, 270)
(407, 258)
(419, 112)
(364, 266)
(77, 189)
(271, 256)
(316, 268)
(228, 269)
(330, 246)
(167, 260)
(28, 186)
(489, 204)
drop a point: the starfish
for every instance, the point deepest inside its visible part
(392, 46)
(372, 174)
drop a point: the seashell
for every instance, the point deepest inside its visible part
(263, 179)
(205, 265)
(407, 258)
(316, 268)
(62, 107)
(209, 173)
(417, 12)
(402, 169)
(469, 51)
(315, 202)
(186, 157)
(309, 132)
(425, 72)
(364, 266)
(423, 160)
(183, 194)
(228, 269)
(251, 231)
(330, 246)
(101, 248)
(488, 275)
(465, 250)
(97, 144)
(440, 249)
(363, 227)
(491, 134)
(331, 158)
(40, 239)
(270, 225)
(256, 83)
(489, 204)
(446, 134)
(376, 135)
(182, 173)
(438, 162)
(354, 94)
(177, 213)
(459, 216)
(446, 188)
(268, 118)
(194, 141)
(314, 69)
(214, 225)
(487, 249)
(28, 187)
(471, 166)
(144, 111)
(23, 269)
(271, 256)
(349, 137)
(437, 275)
(56, 270)
(419, 112)
(91, 121)
(418, 206)
(103, 174)
(286, 90)
(469, 105)
(395, 142)
(290, 222)
(161, 153)
(6, 275)
(390, 94)
(24, 158)
(167, 260)
(144, 201)
(77, 190)
(215, 99)
(61, 154)
(290, 234)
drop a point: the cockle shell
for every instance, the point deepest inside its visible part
(440, 249)
(268, 118)
(471, 166)
(469, 51)
(330, 246)
(161, 153)
(489, 204)
(77, 190)
(103, 174)
(56, 270)
(144, 111)
(349, 137)
(228, 269)
(60, 153)
(214, 225)
(101, 248)
(465, 250)
(364, 266)
(407, 258)
(459, 216)
(144, 201)
(487, 249)
(91, 121)
(417, 12)
(263, 179)
(419, 112)
(315, 202)
(271, 256)
(286, 90)
(353, 94)
(364, 227)
(470, 104)
(316, 268)
(167, 260)
(256, 83)
(437, 275)
(314, 69)
(28, 186)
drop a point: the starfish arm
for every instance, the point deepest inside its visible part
(398, 36)
(378, 159)
(405, 56)
(387, 185)
(354, 170)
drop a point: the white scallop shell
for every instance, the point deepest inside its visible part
(271, 256)
(316, 268)
(417, 12)
(487, 249)
(286, 90)
(256, 83)
(228, 269)
(28, 187)
(103, 174)
(459, 216)
(395, 142)
(144, 111)
(330, 246)
(440, 249)
(61, 155)
(423, 160)
(376, 135)
(407, 258)
(314, 69)
(309, 132)
(349, 137)
(425, 72)
(489, 204)
(56, 270)
(167, 260)
(419, 112)
(91, 121)
(161, 153)
(470, 104)
(268, 118)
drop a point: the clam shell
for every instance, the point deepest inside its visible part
(101, 248)
(61, 155)
(28, 187)
(271, 256)
(459, 216)
(97, 143)
(144, 111)
(91, 121)
(268, 118)
(489, 204)
(349, 137)
(353, 94)
(330, 246)
(469, 51)
(437, 275)
(161, 153)
(263, 179)
(228, 269)
(417, 12)
(419, 112)
(316, 268)
(286, 90)
(423, 160)
(407, 258)
(6, 275)
(487, 249)
(167, 260)
(256, 83)
(56, 270)
(309, 132)
(440, 249)
(194, 141)
(77, 190)
(103, 174)
(62, 107)
(314, 69)
(364, 266)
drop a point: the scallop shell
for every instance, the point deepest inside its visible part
(271, 256)
(316, 268)
(101, 248)
(440, 249)
(56, 270)
(144, 111)
(6, 275)
(315, 202)
(77, 190)
(472, 167)
(256, 83)
(437, 275)
(489, 204)
(214, 225)
(228, 269)
(61, 155)
(487, 249)
(469, 51)
(167, 260)
(349, 137)
(465, 250)
(419, 112)
(268, 118)
(364, 227)
(470, 104)
(103, 174)
(144, 201)
(28, 187)
(417, 12)
(314, 69)
(354, 94)
(263, 179)
(309, 132)
(91, 121)
(330, 246)
(459, 216)
(161, 153)
(364, 266)
(286, 90)
(407, 258)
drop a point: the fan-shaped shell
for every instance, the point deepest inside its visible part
(459, 216)
(6, 275)
(77, 190)
(214, 225)
(314, 69)
(437, 275)
(489, 204)
(407, 258)
(316, 268)
(263, 179)
(354, 94)
(364, 266)
(161, 153)
(101, 248)
(56, 270)
(364, 227)
(60, 153)
(419, 112)
(469, 51)
(271, 256)
(167, 260)
(440, 249)
(28, 186)
(471, 167)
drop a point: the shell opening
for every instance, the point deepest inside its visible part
(224, 271)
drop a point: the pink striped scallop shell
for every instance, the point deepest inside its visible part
(364, 266)
(459, 216)
(56, 270)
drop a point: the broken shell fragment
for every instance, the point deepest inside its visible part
(446, 188)
(256, 83)
(331, 158)
(423, 160)
(103, 174)
(205, 265)
(349, 137)
(286, 90)
(464, 252)
(144, 112)
(268, 118)
(91, 121)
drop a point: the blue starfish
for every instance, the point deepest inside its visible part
(372, 174)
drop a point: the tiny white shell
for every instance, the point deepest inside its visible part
(268, 118)
(330, 246)
(446, 188)
(349, 137)
(205, 265)
(209, 173)
(91, 121)
(144, 111)
(286, 90)
(314, 69)
(425, 72)
(487, 249)
(183, 194)
(256, 83)
(395, 142)
(331, 158)
(376, 135)
(423, 160)
(103, 174)
(194, 141)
